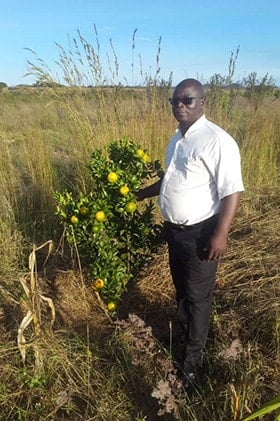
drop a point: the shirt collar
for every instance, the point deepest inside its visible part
(196, 125)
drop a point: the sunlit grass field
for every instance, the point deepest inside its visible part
(86, 366)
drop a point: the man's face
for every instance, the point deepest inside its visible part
(187, 105)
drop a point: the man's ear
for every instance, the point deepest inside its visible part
(202, 101)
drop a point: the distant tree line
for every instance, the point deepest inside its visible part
(251, 84)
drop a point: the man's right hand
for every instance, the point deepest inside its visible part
(150, 191)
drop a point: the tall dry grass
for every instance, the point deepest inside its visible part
(92, 369)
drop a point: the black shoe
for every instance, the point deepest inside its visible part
(190, 382)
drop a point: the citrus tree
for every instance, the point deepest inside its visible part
(115, 236)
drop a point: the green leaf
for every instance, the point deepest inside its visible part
(266, 409)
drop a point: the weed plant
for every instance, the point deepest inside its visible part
(90, 367)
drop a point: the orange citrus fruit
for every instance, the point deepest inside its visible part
(74, 219)
(112, 177)
(84, 210)
(111, 306)
(100, 216)
(124, 190)
(98, 283)
(140, 153)
(95, 228)
(146, 158)
(131, 207)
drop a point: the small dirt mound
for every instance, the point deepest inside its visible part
(78, 306)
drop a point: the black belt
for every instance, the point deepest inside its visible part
(181, 227)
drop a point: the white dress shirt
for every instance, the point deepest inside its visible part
(202, 167)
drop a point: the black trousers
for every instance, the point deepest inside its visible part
(194, 279)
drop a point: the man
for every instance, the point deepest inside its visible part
(198, 197)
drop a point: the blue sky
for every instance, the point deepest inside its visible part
(197, 36)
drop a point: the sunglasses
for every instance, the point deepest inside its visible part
(186, 100)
